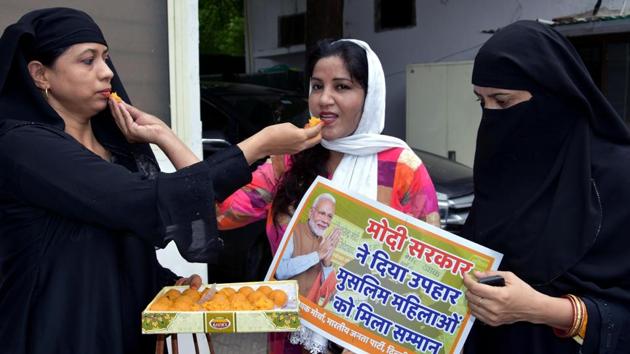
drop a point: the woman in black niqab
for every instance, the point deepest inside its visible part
(551, 189)
(78, 229)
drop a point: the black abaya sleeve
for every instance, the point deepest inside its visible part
(49, 169)
(165, 277)
(608, 327)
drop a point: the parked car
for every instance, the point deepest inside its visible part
(231, 112)
(454, 187)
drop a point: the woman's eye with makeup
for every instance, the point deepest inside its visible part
(88, 61)
(505, 103)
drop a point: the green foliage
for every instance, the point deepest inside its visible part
(221, 27)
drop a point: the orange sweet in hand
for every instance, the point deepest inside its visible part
(313, 121)
(115, 97)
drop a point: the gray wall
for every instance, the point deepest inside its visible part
(137, 34)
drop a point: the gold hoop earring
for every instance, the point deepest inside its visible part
(46, 92)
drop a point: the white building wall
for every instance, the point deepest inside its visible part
(262, 34)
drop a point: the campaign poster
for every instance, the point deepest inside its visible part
(375, 280)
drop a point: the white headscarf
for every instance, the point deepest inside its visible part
(358, 169)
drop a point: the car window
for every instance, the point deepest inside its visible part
(268, 109)
(215, 123)
(239, 110)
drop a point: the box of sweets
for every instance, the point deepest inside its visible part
(227, 308)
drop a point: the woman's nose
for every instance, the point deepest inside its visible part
(105, 71)
(326, 98)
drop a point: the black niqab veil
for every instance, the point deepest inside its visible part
(552, 187)
(39, 32)
(538, 197)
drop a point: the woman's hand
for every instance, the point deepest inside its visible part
(194, 281)
(286, 138)
(516, 301)
(138, 126)
(280, 139)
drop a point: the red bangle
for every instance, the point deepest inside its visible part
(578, 318)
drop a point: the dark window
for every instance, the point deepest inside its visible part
(291, 30)
(607, 58)
(393, 14)
(233, 112)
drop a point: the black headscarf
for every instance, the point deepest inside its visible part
(536, 197)
(40, 32)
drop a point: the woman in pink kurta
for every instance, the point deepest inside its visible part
(403, 184)
(347, 92)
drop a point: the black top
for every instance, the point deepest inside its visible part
(78, 233)
(551, 190)
(78, 237)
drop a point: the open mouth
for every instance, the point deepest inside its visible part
(328, 118)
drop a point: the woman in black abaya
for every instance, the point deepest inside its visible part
(551, 172)
(82, 209)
